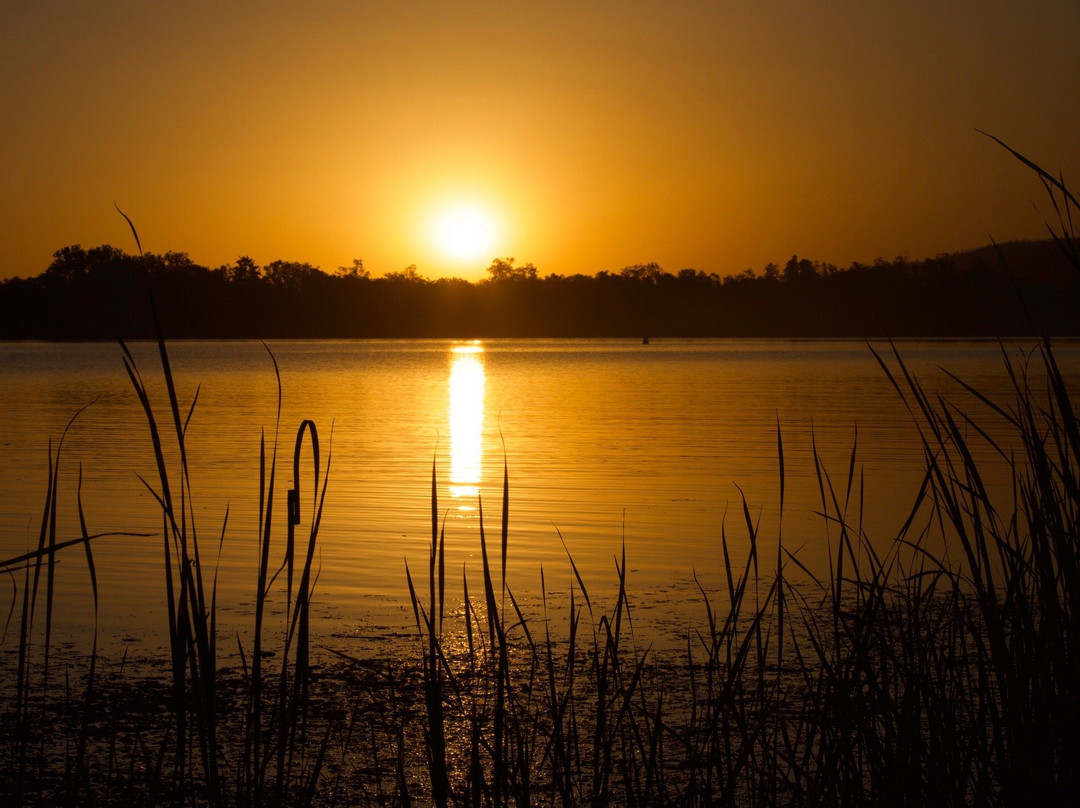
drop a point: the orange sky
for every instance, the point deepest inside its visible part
(712, 135)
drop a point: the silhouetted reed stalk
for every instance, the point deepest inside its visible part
(45, 556)
(274, 762)
(904, 672)
(273, 740)
(908, 670)
(189, 613)
(33, 701)
(938, 666)
(251, 785)
(1021, 565)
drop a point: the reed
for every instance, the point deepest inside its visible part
(275, 761)
(908, 670)
(937, 665)
(905, 672)
(908, 674)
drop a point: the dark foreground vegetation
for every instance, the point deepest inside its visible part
(101, 292)
(905, 676)
(908, 675)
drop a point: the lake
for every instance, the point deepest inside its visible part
(607, 444)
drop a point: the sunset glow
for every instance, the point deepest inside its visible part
(577, 137)
(595, 305)
(464, 233)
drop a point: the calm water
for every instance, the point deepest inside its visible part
(606, 442)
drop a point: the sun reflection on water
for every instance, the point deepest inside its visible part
(466, 419)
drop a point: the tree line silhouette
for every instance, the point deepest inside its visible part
(1018, 288)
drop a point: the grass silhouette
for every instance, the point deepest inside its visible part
(939, 669)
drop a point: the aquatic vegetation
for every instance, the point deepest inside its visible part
(937, 666)
(919, 669)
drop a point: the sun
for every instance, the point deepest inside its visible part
(464, 232)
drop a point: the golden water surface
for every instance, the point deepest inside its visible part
(607, 444)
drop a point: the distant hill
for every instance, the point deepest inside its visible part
(1017, 288)
(1029, 261)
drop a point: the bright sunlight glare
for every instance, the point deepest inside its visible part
(466, 419)
(464, 233)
